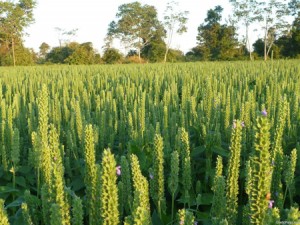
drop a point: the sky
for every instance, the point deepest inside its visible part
(91, 18)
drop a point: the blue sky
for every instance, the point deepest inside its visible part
(91, 18)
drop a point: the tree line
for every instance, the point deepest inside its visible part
(147, 39)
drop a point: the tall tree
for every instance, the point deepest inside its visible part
(136, 25)
(274, 13)
(44, 49)
(175, 22)
(14, 18)
(216, 41)
(246, 11)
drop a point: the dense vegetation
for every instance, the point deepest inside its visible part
(213, 143)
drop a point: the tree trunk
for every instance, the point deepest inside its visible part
(248, 42)
(166, 54)
(168, 44)
(265, 42)
(13, 50)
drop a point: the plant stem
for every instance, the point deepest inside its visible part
(38, 182)
(173, 194)
(286, 188)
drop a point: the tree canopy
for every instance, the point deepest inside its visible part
(136, 25)
(216, 41)
(14, 18)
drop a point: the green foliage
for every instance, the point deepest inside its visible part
(186, 176)
(261, 172)
(26, 214)
(155, 50)
(77, 211)
(294, 215)
(216, 41)
(14, 17)
(157, 182)
(185, 217)
(273, 216)
(233, 172)
(83, 54)
(136, 25)
(56, 218)
(109, 191)
(141, 205)
(111, 56)
(172, 120)
(90, 177)
(127, 188)
(218, 208)
(59, 54)
(3, 214)
(173, 180)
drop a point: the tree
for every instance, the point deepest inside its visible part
(294, 8)
(44, 49)
(216, 41)
(274, 13)
(136, 25)
(246, 11)
(276, 49)
(14, 18)
(290, 44)
(74, 53)
(175, 55)
(112, 55)
(59, 54)
(83, 54)
(175, 22)
(155, 50)
(23, 56)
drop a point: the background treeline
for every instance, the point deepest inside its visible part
(147, 39)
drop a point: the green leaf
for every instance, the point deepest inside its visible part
(15, 203)
(206, 199)
(196, 152)
(24, 170)
(155, 218)
(17, 219)
(21, 181)
(7, 189)
(77, 184)
(220, 151)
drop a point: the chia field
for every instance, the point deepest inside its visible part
(211, 143)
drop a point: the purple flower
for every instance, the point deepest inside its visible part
(195, 223)
(118, 170)
(151, 176)
(271, 202)
(243, 124)
(181, 222)
(264, 112)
